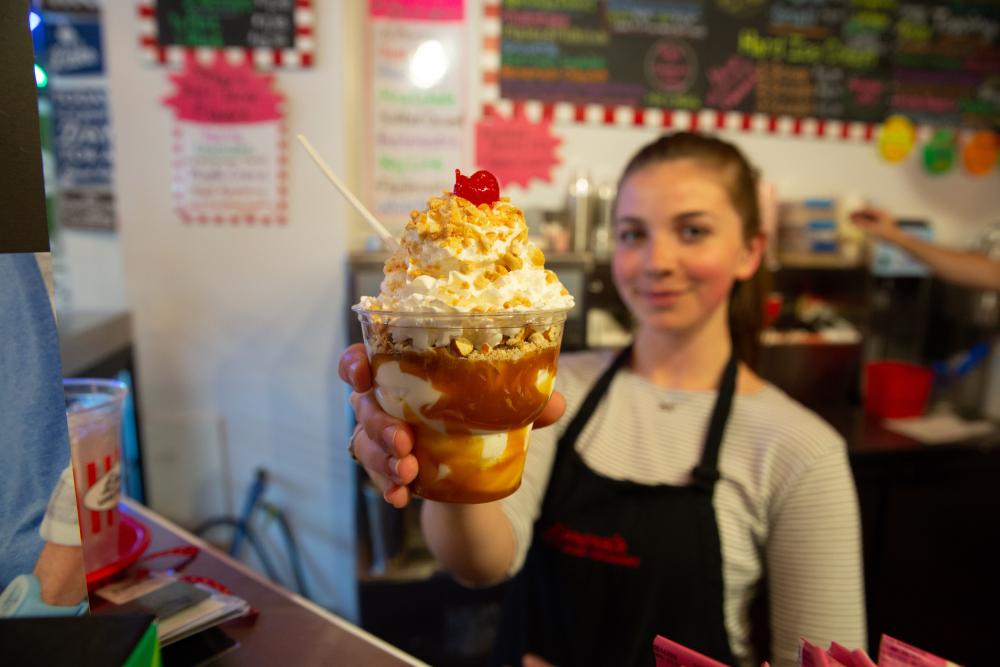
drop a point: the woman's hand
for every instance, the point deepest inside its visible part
(877, 222)
(384, 444)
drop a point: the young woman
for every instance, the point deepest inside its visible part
(678, 478)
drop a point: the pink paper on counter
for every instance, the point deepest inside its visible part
(894, 653)
(811, 655)
(841, 654)
(861, 659)
(672, 654)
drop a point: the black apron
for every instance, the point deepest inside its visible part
(614, 563)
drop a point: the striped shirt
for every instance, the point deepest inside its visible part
(785, 503)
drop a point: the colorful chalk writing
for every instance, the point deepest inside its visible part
(730, 83)
(671, 66)
(218, 23)
(937, 61)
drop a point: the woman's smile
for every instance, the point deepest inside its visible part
(660, 298)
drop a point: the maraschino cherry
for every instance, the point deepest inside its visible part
(480, 188)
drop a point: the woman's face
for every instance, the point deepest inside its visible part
(679, 245)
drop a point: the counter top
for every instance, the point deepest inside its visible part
(865, 435)
(88, 337)
(289, 630)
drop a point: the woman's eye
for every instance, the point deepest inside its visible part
(628, 236)
(693, 232)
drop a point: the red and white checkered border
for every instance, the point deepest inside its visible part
(278, 216)
(627, 116)
(300, 56)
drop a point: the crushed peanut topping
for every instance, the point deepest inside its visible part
(457, 244)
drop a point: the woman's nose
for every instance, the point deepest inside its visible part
(661, 256)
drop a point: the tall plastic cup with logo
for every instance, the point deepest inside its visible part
(94, 415)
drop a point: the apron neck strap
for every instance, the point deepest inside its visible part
(706, 473)
(594, 397)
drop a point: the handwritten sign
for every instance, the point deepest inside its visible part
(418, 110)
(81, 145)
(80, 133)
(418, 10)
(860, 61)
(80, 137)
(731, 83)
(228, 145)
(218, 23)
(516, 150)
(272, 32)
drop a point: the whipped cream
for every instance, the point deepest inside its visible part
(459, 258)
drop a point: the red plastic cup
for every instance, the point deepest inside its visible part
(896, 389)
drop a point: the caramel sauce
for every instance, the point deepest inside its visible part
(467, 480)
(482, 394)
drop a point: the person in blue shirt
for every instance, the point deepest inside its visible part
(40, 577)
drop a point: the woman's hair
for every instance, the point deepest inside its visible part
(746, 301)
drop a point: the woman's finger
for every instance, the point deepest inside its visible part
(377, 463)
(532, 660)
(354, 369)
(398, 496)
(393, 435)
(553, 410)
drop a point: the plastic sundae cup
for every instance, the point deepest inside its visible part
(463, 339)
(470, 385)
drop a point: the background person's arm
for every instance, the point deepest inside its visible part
(966, 268)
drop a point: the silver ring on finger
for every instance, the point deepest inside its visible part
(350, 443)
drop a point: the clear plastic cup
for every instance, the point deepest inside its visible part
(470, 385)
(94, 416)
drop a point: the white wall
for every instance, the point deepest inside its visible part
(91, 266)
(238, 329)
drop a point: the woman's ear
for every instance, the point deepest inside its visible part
(751, 256)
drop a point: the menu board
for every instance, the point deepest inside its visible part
(936, 61)
(418, 104)
(218, 23)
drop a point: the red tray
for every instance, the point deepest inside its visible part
(133, 541)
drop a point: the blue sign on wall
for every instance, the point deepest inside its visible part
(80, 136)
(81, 144)
(73, 44)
